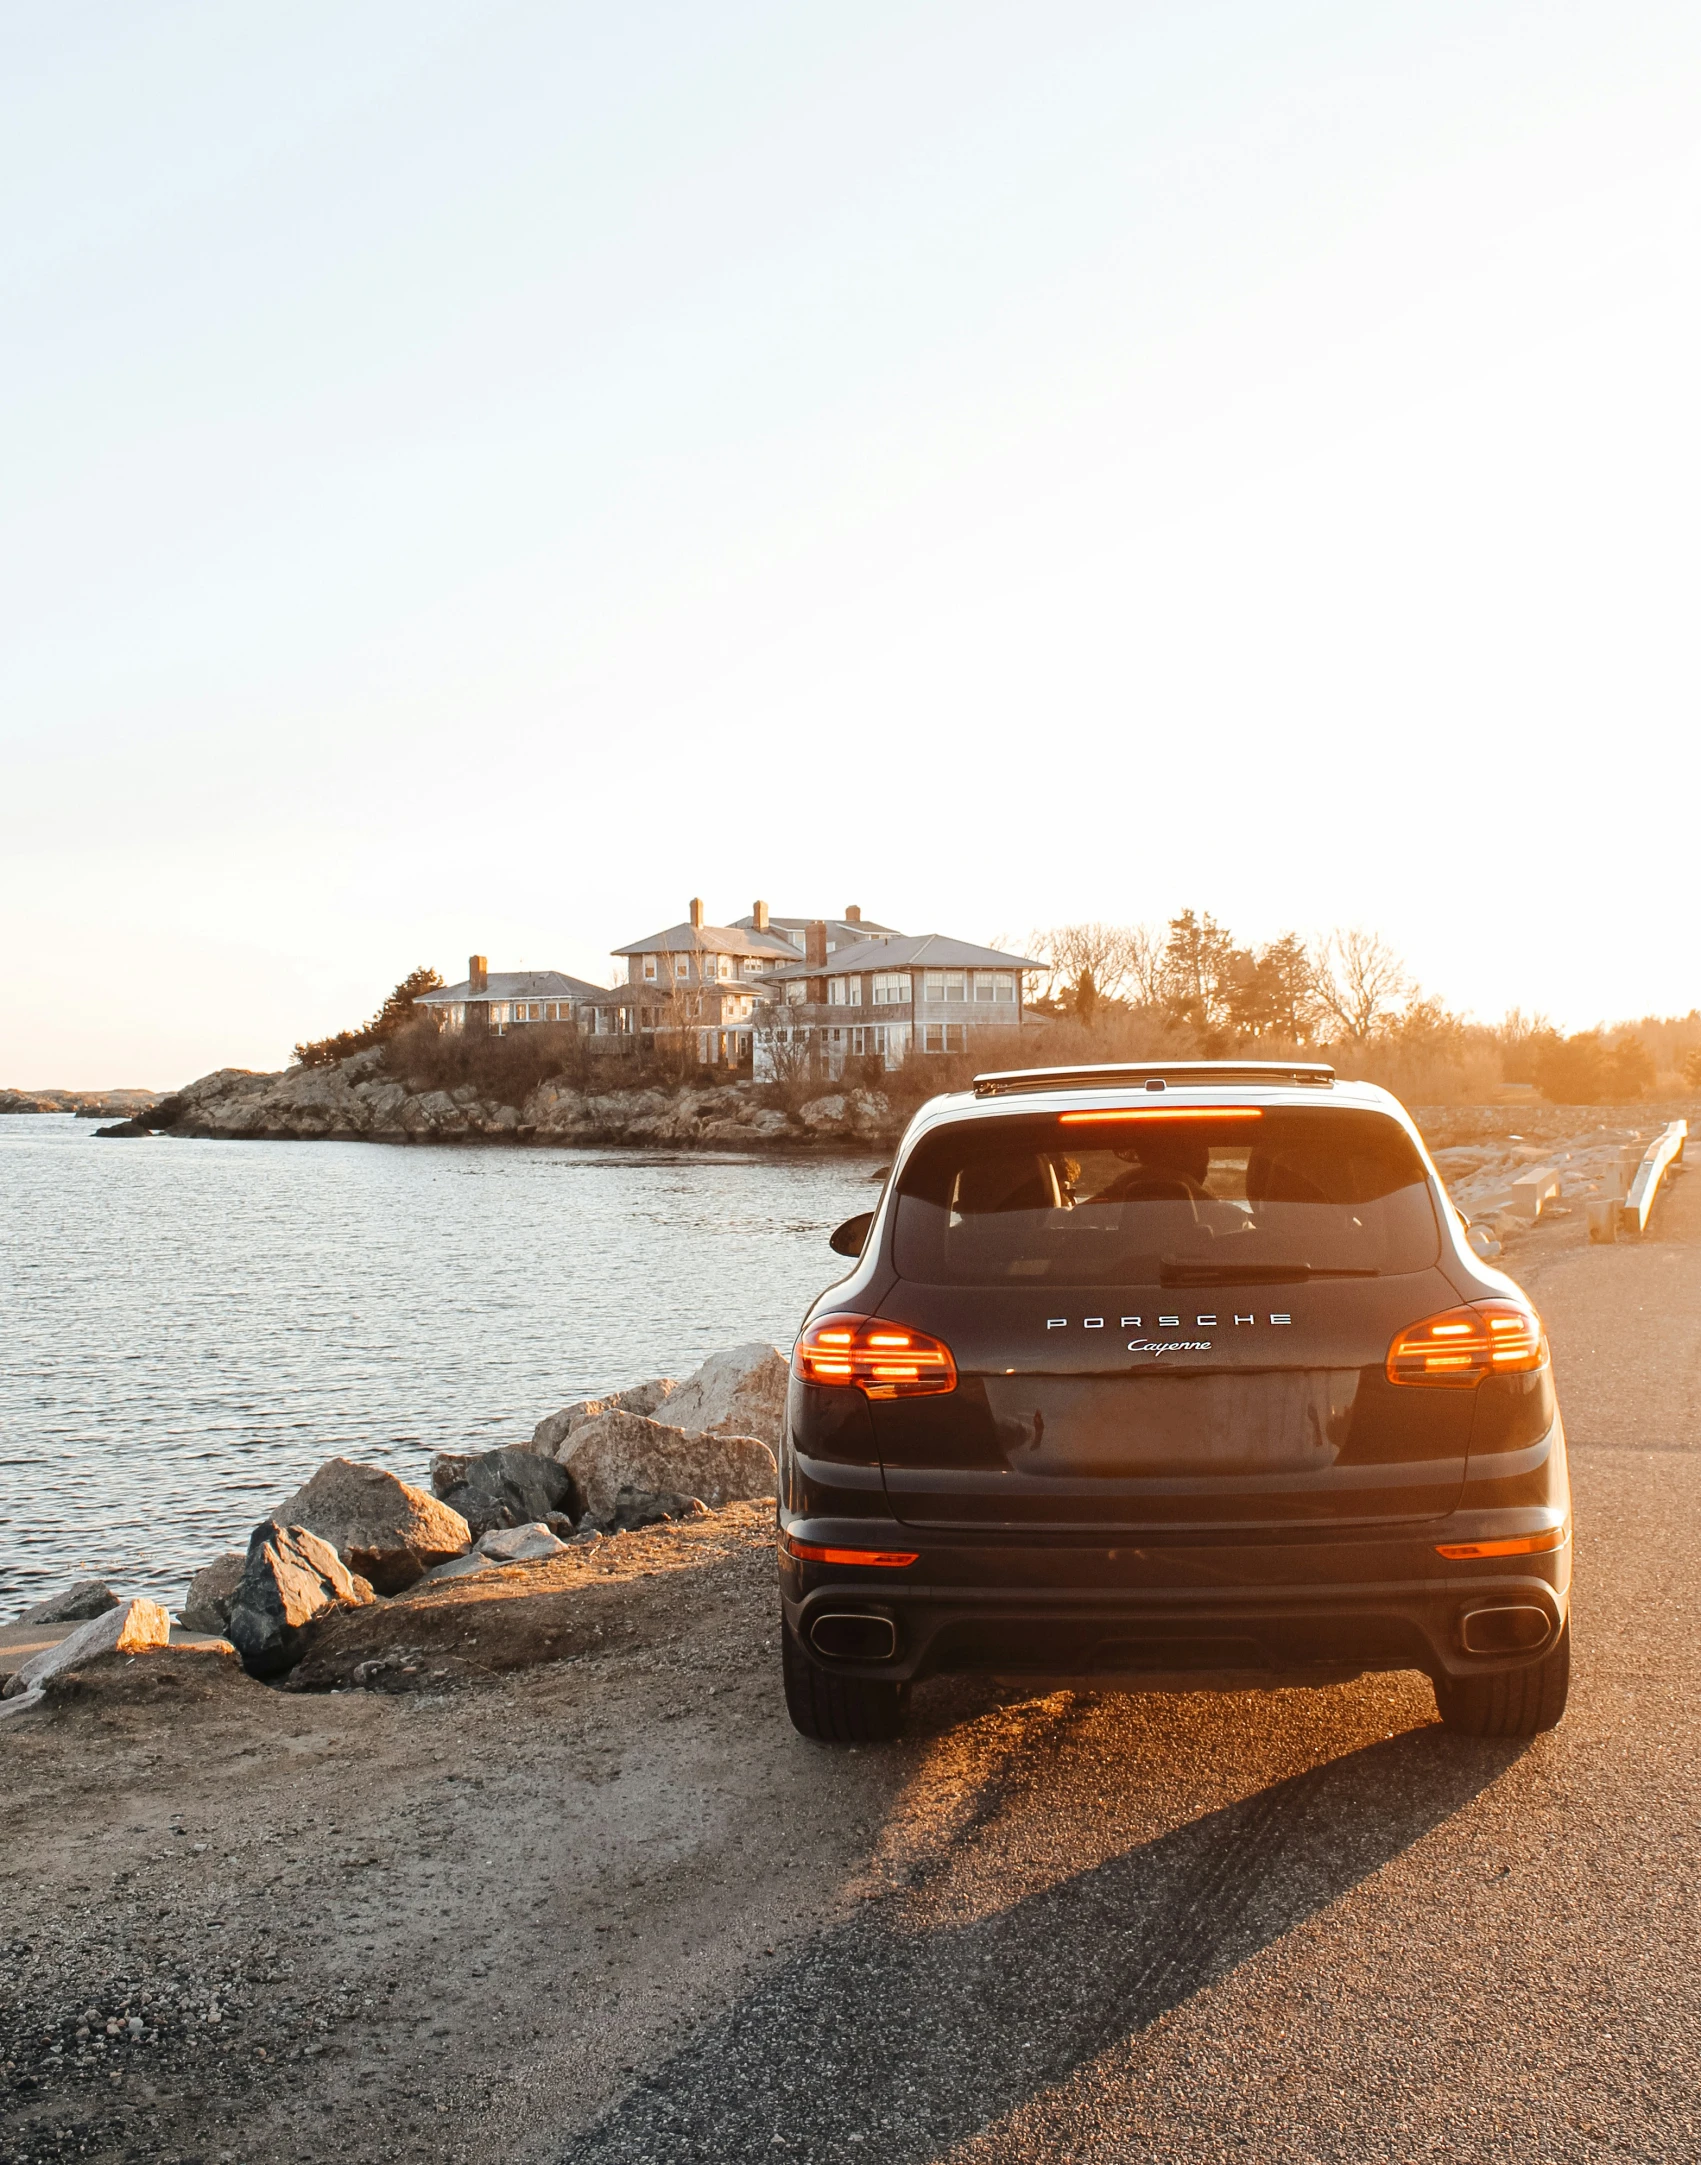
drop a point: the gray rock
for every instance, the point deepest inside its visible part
(740, 1391)
(135, 1627)
(385, 1529)
(520, 1544)
(627, 1451)
(554, 1429)
(494, 1489)
(89, 1597)
(290, 1577)
(532, 1544)
(206, 1606)
(633, 1508)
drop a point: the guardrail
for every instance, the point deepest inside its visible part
(1664, 1152)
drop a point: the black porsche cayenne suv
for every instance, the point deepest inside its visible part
(1179, 1377)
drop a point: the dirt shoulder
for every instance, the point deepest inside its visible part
(414, 1921)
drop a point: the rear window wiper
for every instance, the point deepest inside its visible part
(1177, 1270)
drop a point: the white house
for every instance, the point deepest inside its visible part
(501, 1000)
(890, 995)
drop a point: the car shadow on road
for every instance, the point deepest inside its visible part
(906, 2039)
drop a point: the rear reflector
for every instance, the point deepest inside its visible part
(880, 1358)
(1462, 1345)
(811, 1554)
(1520, 1545)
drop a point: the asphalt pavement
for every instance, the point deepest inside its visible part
(1300, 1925)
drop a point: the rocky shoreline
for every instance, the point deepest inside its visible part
(358, 1100)
(85, 1104)
(309, 1603)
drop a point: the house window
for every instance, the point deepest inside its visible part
(891, 987)
(682, 965)
(994, 985)
(943, 1037)
(869, 1037)
(946, 985)
(797, 992)
(650, 968)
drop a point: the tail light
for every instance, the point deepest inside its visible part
(883, 1360)
(811, 1552)
(1462, 1345)
(1517, 1545)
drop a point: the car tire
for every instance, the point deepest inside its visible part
(1516, 1703)
(837, 1709)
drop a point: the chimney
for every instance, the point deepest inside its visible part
(760, 912)
(853, 913)
(696, 913)
(478, 973)
(815, 943)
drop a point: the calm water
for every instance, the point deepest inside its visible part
(188, 1328)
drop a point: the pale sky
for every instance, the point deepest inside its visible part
(478, 475)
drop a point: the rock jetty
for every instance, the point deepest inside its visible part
(358, 1100)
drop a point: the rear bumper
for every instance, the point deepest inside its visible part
(1236, 1617)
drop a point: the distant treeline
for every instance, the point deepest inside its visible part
(1190, 988)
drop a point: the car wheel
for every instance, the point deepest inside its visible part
(837, 1709)
(1517, 1703)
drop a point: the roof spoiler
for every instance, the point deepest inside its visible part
(1161, 1075)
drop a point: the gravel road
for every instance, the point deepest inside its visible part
(613, 1910)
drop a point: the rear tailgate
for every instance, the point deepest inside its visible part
(1261, 1406)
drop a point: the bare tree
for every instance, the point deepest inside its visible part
(1359, 980)
(1119, 961)
(1144, 957)
(791, 1052)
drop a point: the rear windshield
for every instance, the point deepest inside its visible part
(1149, 1198)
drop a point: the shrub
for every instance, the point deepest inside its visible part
(507, 1069)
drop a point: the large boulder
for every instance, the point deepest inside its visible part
(89, 1597)
(627, 1452)
(383, 1528)
(206, 1606)
(289, 1578)
(740, 1391)
(135, 1627)
(554, 1429)
(496, 1489)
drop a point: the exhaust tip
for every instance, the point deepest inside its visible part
(1505, 1631)
(849, 1637)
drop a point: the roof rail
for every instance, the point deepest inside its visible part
(1157, 1075)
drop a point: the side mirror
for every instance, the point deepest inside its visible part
(848, 1239)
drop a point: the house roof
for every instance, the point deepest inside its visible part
(513, 985)
(839, 928)
(926, 951)
(710, 940)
